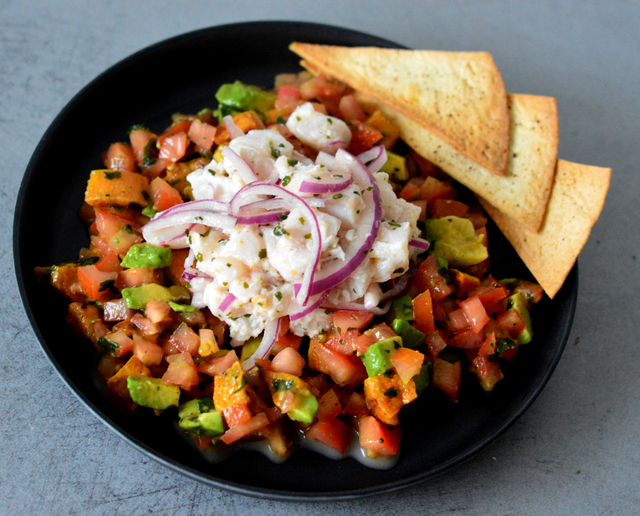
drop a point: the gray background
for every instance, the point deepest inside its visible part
(576, 451)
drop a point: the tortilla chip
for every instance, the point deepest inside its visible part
(524, 191)
(575, 204)
(458, 96)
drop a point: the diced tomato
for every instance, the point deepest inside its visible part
(381, 332)
(458, 321)
(164, 195)
(447, 207)
(286, 340)
(487, 372)
(288, 361)
(148, 353)
(257, 422)
(109, 224)
(158, 311)
(512, 322)
(327, 91)
(237, 414)
(476, 216)
(123, 342)
(423, 312)
(140, 139)
(344, 343)
(363, 137)
(120, 156)
(389, 130)
(475, 313)
(488, 346)
(351, 110)
(447, 378)
(532, 292)
(411, 190)
(362, 342)
(218, 365)
(428, 277)
(407, 363)
(433, 189)
(329, 406)
(94, 283)
(202, 442)
(378, 439)
(435, 343)
(138, 276)
(356, 405)
(332, 432)
(173, 148)
(467, 339)
(345, 320)
(202, 134)
(342, 369)
(287, 100)
(181, 371)
(184, 340)
(109, 263)
(147, 327)
(489, 294)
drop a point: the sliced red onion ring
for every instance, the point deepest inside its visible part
(204, 204)
(361, 308)
(269, 338)
(310, 306)
(262, 218)
(327, 160)
(244, 169)
(190, 273)
(328, 185)
(356, 250)
(419, 243)
(232, 128)
(401, 284)
(250, 191)
(164, 229)
(226, 302)
(374, 158)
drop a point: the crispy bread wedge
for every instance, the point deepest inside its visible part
(576, 201)
(524, 191)
(457, 96)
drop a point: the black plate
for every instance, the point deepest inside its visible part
(181, 75)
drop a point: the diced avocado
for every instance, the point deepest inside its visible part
(377, 357)
(518, 303)
(138, 297)
(199, 417)
(503, 345)
(249, 348)
(245, 97)
(304, 405)
(423, 378)
(510, 283)
(396, 167)
(147, 255)
(401, 308)
(153, 392)
(217, 154)
(411, 337)
(177, 307)
(455, 240)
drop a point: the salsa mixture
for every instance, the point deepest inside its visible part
(285, 268)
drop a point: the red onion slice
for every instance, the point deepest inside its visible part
(250, 191)
(374, 158)
(226, 302)
(310, 306)
(355, 251)
(361, 308)
(164, 229)
(246, 172)
(204, 204)
(232, 128)
(400, 285)
(328, 185)
(419, 243)
(262, 218)
(269, 338)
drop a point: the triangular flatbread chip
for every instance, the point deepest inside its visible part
(575, 204)
(457, 96)
(524, 190)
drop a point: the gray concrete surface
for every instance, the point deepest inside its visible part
(576, 451)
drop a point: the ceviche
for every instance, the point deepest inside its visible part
(285, 270)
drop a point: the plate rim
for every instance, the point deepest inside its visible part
(227, 485)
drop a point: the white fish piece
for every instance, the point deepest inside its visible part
(259, 148)
(322, 132)
(390, 251)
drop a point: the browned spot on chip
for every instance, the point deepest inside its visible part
(458, 96)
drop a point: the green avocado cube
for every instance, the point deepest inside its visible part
(244, 97)
(305, 408)
(138, 297)
(411, 337)
(454, 239)
(147, 255)
(199, 417)
(401, 308)
(396, 167)
(377, 357)
(518, 303)
(153, 392)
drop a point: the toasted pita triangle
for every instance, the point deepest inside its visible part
(458, 96)
(523, 191)
(575, 204)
